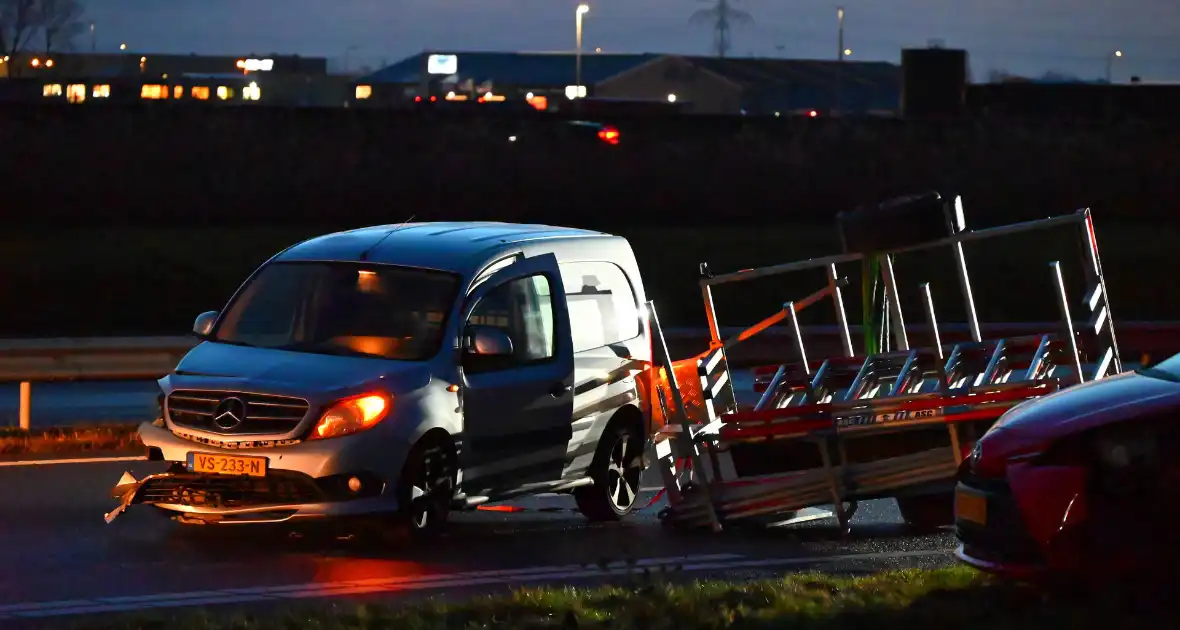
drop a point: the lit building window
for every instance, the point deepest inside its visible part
(178, 92)
(201, 92)
(154, 92)
(252, 92)
(363, 92)
(223, 92)
(76, 93)
(51, 89)
(101, 91)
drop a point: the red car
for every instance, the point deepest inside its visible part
(1079, 484)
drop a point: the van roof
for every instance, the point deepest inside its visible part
(452, 246)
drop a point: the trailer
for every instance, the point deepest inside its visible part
(894, 420)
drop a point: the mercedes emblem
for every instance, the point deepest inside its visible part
(229, 413)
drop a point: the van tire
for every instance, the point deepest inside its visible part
(429, 472)
(616, 470)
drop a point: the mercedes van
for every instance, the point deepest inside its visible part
(405, 371)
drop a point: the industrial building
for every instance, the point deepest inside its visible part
(246, 79)
(701, 84)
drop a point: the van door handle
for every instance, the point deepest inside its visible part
(559, 389)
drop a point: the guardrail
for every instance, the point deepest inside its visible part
(27, 361)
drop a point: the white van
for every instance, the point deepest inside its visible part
(404, 371)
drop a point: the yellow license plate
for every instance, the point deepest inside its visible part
(971, 507)
(227, 464)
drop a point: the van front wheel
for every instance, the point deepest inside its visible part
(617, 466)
(426, 487)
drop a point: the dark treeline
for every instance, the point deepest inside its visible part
(139, 165)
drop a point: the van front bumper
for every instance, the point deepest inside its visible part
(302, 481)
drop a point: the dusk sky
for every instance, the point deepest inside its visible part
(1024, 37)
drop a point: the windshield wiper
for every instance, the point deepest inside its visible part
(330, 350)
(234, 343)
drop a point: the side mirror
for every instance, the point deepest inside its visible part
(203, 325)
(487, 341)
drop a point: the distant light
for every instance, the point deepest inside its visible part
(813, 113)
(671, 98)
(598, 50)
(442, 64)
(512, 138)
(1118, 53)
(450, 96)
(122, 46)
(847, 52)
(583, 9)
(35, 62)
(530, 96)
(143, 60)
(256, 65)
(777, 114)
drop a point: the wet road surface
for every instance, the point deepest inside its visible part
(60, 558)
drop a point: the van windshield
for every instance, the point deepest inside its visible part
(342, 308)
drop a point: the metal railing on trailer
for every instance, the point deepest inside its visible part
(852, 428)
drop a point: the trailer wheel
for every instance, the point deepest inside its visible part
(927, 511)
(616, 469)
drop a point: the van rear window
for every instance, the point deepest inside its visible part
(601, 303)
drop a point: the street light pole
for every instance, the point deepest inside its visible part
(1110, 63)
(839, 104)
(583, 9)
(840, 33)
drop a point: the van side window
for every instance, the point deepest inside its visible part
(601, 304)
(523, 308)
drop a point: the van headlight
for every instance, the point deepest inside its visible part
(352, 415)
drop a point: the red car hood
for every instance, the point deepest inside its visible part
(1086, 406)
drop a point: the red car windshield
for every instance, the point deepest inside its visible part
(1168, 369)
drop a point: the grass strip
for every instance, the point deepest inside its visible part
(70, 441)
(956, 597)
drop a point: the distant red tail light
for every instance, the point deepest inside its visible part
(609, 135)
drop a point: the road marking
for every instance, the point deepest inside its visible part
(78, 460)
(561, 573)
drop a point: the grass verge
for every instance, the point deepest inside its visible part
(73, 441)
(956, 597)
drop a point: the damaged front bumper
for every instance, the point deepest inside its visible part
(223, 499)
(314, 482)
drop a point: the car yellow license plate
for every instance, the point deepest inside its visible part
(971, 507)
(211, 463)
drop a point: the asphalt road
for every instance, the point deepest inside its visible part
(61, 559)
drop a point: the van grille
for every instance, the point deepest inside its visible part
(214, 491)
(264, 414)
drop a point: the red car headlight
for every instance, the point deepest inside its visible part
(1114, 448)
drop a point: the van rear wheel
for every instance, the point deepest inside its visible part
(617, 466)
